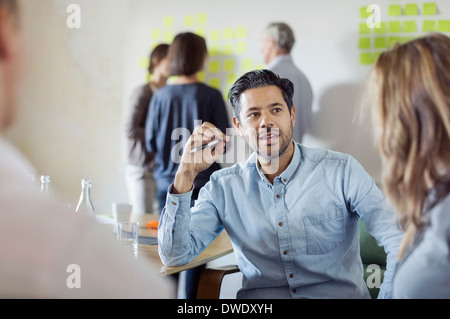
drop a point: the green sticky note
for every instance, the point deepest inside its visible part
(214, 50)
(364, 43)
(382, 28)
(247, 64)
(241, 33)
(188, 21)
(241, 47)
(395, 10)
(429, 8)
(201, 31)
(428, 26)
(168, 21)
(231, 78)
(202, 18)
(156, 33)
(228, 65)
(410, 26)
(214, 35)
(215, 83)
(227, 49)
(144, 62)
(443, 26)
(363, 28)
(228, 33)
(395, 26)
(201, 76)
(380, 43)
(393, 41)
(363, 14)
(365, 58)
(411, 9)
(214, 66)
(168, 36)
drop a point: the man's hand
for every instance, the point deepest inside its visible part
(194, 163)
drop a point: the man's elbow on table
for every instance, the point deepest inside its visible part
(172, 260)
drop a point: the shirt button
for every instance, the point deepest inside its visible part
(280, 224)
(291, 275)
(173, 203)
(278, 195)
(285, 252)
(294, 290)
(285, 180)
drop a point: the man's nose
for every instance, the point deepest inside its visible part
(266, 121)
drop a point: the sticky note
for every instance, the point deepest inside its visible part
(231, 78)
(395, 26)
(168, 21)
(393, 41)
(382, 28)
(365, 58)
(188, 21)
(395, 10)
(229, 65)
(214, 66)
(364, 43)
(409, 26)
(201, 76)
(241, 33)
(363, 28)
(247, 64)
(202, 18)
(363, 14)
(429, 8)
(227, 49)
(380, 43)
(443, 26)
(215, 83)
(411, 9)
(428, 26)
(214, 35)
(156, 33)
(144, 62)
(228, 33)
(168, 36)
(241, 47)
(214, 50)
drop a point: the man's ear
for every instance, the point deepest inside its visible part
(293, 115)
(7, 25)
(237, 124)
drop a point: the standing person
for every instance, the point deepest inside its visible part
(139, 171)
(44, 246)
(409, 91)
(292, 212)
(173, 113)
(277, 42)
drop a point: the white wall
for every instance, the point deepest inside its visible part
(79, 81)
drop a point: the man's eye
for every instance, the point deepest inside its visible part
(254, 114)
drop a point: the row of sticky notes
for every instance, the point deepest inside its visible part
(382, 42)
(230, 65)
(188, 20)
(410, 9)
(228, 33)
(407, 26)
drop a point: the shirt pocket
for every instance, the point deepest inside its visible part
(323, 232)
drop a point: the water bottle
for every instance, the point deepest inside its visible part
(85, 205)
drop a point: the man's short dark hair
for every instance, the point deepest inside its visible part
(257, 79)
(187, 54)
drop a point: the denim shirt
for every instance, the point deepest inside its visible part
(297, 238)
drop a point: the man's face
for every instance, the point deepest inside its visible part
(265, 121)
(10, 67)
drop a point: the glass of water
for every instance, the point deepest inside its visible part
(128, 235)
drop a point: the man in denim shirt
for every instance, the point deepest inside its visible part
(291, 212)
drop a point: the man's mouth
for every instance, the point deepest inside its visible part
(269, 137)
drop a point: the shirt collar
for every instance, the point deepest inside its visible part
(286, 175)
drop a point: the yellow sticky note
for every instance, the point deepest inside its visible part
(201, 76)
(395, 10)
(363, 28)
(156, 33)
(231, 78)
(411, 9)
(168, 21)
(188, 21)
(228, 33)
(363, 14)
(168, 36)
(428, 26)
(241, 47)
(382, 28)
(215, 83)
(443, 26)
(227, 49)
(214, 35)
(201, 31)
(229, 65)
(202, 18)
(247, 64)
(214, 66)
(365, 58)
(380, 43)
(144, 62)
(241, 33)
(429, 8)
(214, 50)
(364, 43)
(410, 26)
(395, 27)
(393, 41)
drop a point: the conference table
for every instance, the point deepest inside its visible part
(220, 247)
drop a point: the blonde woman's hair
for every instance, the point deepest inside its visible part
(409, 95)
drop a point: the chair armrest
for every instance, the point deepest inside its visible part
(211, 281)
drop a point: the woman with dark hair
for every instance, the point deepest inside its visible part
(139, 171)
(409, 95)
(174, 111)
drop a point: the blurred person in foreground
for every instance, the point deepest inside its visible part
(139, 171)
(43, 245)
(409, 96)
